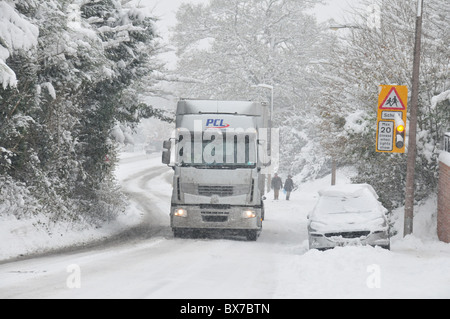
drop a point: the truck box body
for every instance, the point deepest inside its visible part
(217, 155)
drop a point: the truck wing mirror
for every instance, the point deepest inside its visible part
(166, 157)
(167, 145)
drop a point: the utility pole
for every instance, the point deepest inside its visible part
(333, 171)
(411, 161)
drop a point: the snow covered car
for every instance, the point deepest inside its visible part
(348, 215)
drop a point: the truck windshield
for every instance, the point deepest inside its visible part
(217, 150)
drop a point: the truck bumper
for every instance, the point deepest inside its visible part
(216, 217)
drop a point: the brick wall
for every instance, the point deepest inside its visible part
(444, 203)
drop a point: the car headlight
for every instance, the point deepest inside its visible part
(249, 213)
(180, 212)
(316, 226)
(379, 223)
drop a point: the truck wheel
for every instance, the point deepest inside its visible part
(252, 235)
(180, 233)
(176, 233)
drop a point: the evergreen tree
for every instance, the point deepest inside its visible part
(76, 80)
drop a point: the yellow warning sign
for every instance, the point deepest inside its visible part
(391, 120)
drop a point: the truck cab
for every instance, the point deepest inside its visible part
(218, 151)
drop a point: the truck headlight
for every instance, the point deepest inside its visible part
(249, 213)
(180, 212)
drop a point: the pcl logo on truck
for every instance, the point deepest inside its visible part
(216, 123)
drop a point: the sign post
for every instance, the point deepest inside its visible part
(412, 148)
(392, 108)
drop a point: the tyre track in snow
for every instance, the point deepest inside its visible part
(207, 260)
(152, 223)
(146, 261)
(145, 198)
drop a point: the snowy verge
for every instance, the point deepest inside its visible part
(445, 158)
(425, 221)
(416, 266)
(29, 236)
(34, 235)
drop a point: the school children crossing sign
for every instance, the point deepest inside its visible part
(392, 108)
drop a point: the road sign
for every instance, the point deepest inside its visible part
(385, 134)
(392, 108)
(393, 101)
(390, 115)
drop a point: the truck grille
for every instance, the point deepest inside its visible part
(215, 217)
(356, 234)
(218, 190)
(209, 190)
(216, 206)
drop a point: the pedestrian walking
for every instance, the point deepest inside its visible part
(288, 186)
(276, 185)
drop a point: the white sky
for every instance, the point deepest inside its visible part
(166, 10)
(335, 9)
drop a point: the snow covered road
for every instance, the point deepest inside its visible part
(147, 262)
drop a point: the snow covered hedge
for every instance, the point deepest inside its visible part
(64, 86)
(16, 199)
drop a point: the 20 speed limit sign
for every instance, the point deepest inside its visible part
(385, 140)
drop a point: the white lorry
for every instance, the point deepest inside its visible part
(219, 154)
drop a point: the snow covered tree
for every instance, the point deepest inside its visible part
(368, 57)
(127, 38)
(16, 34)
(75, 80)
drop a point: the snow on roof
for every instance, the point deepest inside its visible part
(445, 158)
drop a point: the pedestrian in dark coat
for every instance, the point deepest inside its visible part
(276, 185)
(288, 187)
